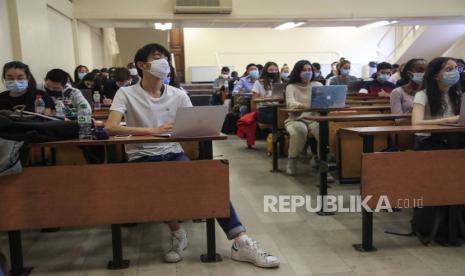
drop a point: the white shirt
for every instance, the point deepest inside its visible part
(422, 99)
(260, 89)
(142, 110)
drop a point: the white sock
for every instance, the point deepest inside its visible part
(241, 240)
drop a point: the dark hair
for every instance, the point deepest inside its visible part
(131, 65)
(341, 63)
(383, 65)
(104, 70)
(143, 53)
(57, 75)
(316, 65)
(121, 74)
(95, 71)
(434, 94)
(260, 67)
(89, 77)
(265, 76)
(234, 74)
(32, 84)
(247, 68)
(76, 72)
(294, 77)
(395, 66)
(404, 75)
(225, 69)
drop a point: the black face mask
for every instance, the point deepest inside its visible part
(273, 76)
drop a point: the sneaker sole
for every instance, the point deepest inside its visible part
(258, 265)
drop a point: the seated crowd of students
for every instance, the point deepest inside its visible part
(148, 94)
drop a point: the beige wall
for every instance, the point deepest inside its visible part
(6, 49)
(238, 47)
(130, 40)
(246, 9)
(90, 48)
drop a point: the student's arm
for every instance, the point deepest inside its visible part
(77, 98)
(418, 115)
(290, 99)
(237, 87)
(396, 102)
(113, 127)
(364, 89)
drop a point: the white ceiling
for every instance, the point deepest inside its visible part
(273, 23)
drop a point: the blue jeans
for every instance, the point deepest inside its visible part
(231, 226)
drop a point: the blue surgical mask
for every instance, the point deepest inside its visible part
(384, 77)
(450, 78)
(254, 74)
(317, 74)
(17, 86)
(308, 75)
(166, 81)
(284, 75)
(81, 75)
(345, 72)
(418, 78)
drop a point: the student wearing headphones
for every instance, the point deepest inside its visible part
(149, 108)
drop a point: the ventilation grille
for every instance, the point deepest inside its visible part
(203, 6)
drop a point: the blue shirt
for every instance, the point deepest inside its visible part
(245, 83)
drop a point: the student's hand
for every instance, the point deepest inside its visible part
(302, 106)
(453, 119)
(383, 94)
(162, 129)
(107, 101)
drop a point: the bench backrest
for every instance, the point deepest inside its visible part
(434, 177)
(67, 196)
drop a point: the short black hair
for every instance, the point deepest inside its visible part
(143, 53)
(225, 69)
(383, 65)
(316, 65)
(57, 75)
(121, 74)
(395, 66)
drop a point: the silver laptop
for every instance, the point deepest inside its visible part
(461, 121)
(331, 96)
(277, 92)
(198, 121)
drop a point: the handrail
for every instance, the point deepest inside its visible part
(412, 29)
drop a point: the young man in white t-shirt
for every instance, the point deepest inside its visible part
(149, 108)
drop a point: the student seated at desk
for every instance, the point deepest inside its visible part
(401, 98)
(244, 87)
(380, 86)
(90, 82)
(317, 72)
(121, 78)
(285, 72)
(262, 87)
(21, 88)
(343, 74)
(439, 102)
(56, 84)
(149, 108)
(79, 73)
(298, 95)
(220, 84)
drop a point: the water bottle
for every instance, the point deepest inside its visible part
(96, 98)
(39, 105)
(84, 117)
(59, 109)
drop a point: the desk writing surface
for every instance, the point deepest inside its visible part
(132, 140)
(403, 129)
(267, 100)
(358, 117)
(347, 108)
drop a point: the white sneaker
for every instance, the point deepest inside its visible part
(329, 178)
(314, 162)
(291, 166)
(178, 245)
(250, 252)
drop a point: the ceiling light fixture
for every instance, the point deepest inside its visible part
(377, 24)
(163, 26)
(289, 25)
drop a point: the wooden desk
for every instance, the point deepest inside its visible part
(368, 101)
(365, 107)
(368, 134)
(206, 153)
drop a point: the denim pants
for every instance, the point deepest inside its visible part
(231, 226)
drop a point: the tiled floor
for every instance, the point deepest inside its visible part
(306, 243)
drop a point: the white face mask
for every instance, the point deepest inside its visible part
(160, 68)
(133, 72)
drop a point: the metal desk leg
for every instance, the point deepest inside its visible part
(323, 144)
(116, 242)
(211, 255)
(16, 253)
(452, 212)
(206, 150)
(274, 128)
(367, 217)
